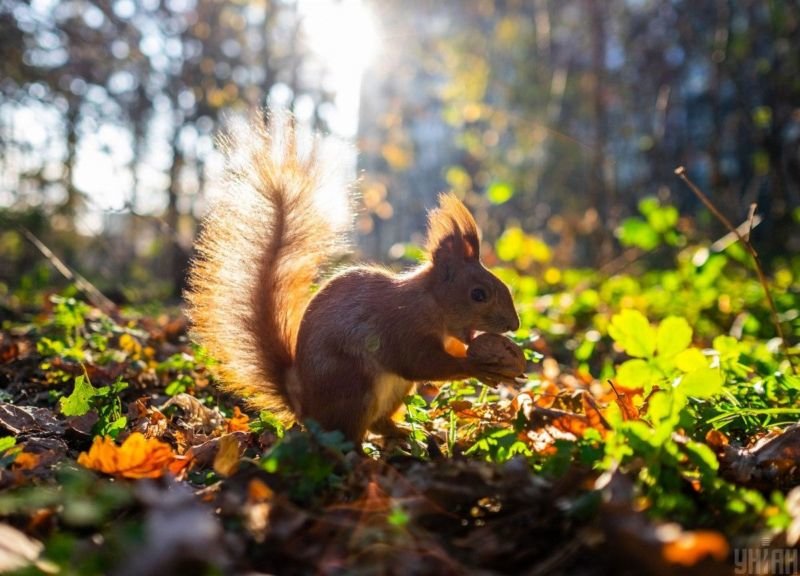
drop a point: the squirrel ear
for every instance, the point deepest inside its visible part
(452, 232)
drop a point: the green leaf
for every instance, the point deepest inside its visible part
(663, 219)
(631, 330)
(500, 192)
(112, 428)
(649, 205)
(691, 360)
(674, 336)
(635, 374)
(398, 517)
(727, 346)
(7, 442)
(268, 421)
(702, 383)
(80, 401)
(702, 456)
(659, 406)
(637, 232)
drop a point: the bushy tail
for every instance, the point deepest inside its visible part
(257, 257)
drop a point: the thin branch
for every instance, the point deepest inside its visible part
(680, 171)
(745, 229)
(92, 293)
(750, 216)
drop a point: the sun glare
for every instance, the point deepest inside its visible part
(344, 36)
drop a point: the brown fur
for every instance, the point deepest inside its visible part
(348, 356)
(453, 226)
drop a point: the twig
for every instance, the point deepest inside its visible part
(680, 171)
(750, 216)
(745, 228)
(93, 294)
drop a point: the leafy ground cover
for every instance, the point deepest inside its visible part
(657, 433)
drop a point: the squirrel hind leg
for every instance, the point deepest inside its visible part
(337, 401)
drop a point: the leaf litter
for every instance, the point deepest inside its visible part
(112, 467)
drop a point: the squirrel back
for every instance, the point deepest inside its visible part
(259, 252)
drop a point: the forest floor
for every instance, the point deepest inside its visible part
(657, 433)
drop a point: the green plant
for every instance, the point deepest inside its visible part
(104, 400)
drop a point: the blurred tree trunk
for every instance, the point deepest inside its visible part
(600, 193)
(72, 202)
(176, 256)
(719, 47)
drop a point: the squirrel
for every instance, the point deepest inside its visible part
(348, 354)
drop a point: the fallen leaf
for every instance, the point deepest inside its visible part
(137, 457)
(258, 491)
(716, 439)
(17, 551)
(594, 416)
(196, 414)
(689, 548)
(27, 419)
(239, 422)
(25, 461)
(547, 394)
(772, 461)
(226, 461)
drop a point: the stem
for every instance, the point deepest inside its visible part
(752, 412)
(680, 171)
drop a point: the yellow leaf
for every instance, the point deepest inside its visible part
(227, 459)
(131, 346)
(137, 457)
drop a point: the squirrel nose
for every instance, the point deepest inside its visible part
(512, 325)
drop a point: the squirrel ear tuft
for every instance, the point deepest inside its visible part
(452, 231)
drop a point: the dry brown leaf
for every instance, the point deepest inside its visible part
(137, 457)
(196, 414)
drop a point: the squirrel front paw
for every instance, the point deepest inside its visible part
(496, 358)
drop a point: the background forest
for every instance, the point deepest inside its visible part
(635, 168)
(554, 117)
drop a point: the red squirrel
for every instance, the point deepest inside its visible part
(346, 355)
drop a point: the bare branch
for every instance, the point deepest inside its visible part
(92, 293)
(680, 171)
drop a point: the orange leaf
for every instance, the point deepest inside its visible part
(716, 439)
(258, 491)
(546, 396)
(25, 461)
(691, 547)
(137, 457)
(594, 416)
(239, 422)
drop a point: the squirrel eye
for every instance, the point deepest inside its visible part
(478, 295)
